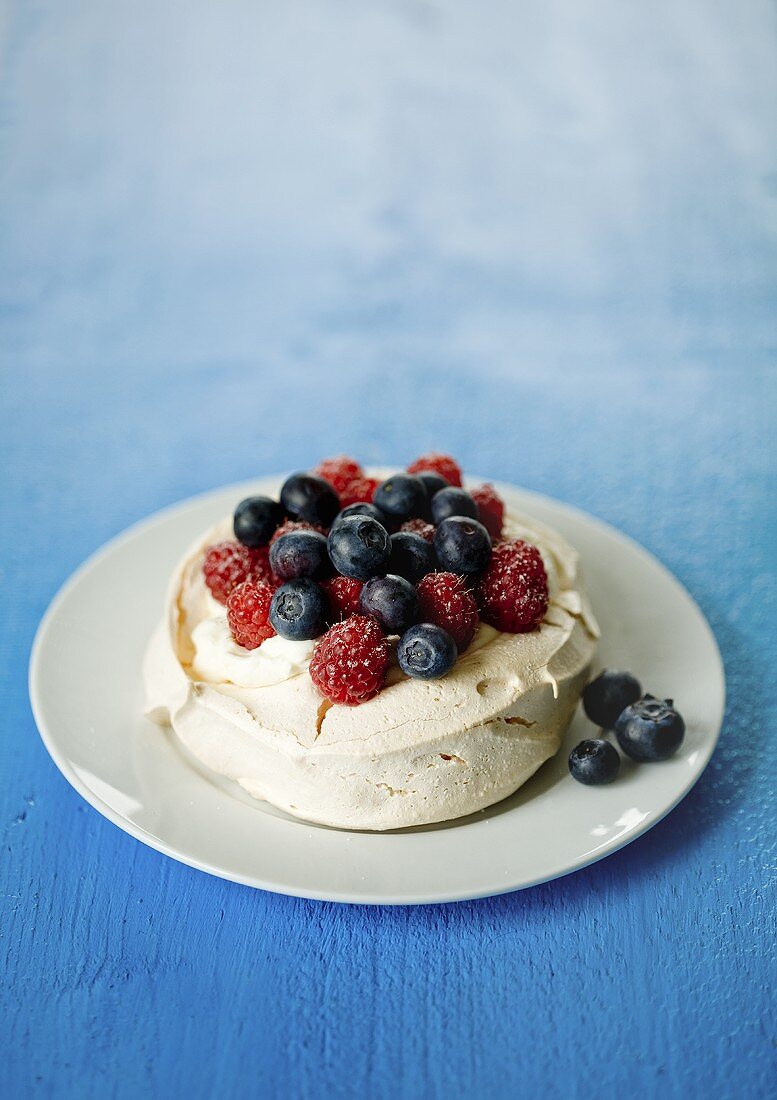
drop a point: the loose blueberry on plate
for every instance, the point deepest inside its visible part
(255, 520)
(362, 509)
(299, 610)
(453, 502)
(310, 498)
(462, 545)
(359, 547)
(594, 762)
(411, 557)
(401, 497)
(426, 652)
(392, 601)
(300, 554)
(650, 729)
(609, 694)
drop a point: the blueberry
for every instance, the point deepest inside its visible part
(310, 498)
(453, 502)
(594, 762)
(650, 729)
(392, 601)
(412, 557)
(426, 652)
(300, 554)
(359, 547)
(462, 545)
(363, 509)
(256, 519)
(432, 482)
(402, 496)
(609, 694)
(299, 609)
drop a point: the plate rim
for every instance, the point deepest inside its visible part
(336, 896)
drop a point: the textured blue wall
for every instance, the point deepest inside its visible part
(236, 237)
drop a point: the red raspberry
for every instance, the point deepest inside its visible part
(358, 491)
(491, 509)
(343, 593)
(443, 465)
(419, 527)
(228, 564)
(295, 525)
(445, 600)
(248, 613)
(513, 592)
(339, 472)
(350, 661)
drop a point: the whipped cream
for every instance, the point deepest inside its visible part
(419, 752)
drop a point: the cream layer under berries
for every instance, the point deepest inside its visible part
(386, 662)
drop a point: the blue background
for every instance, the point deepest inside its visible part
(237, 237)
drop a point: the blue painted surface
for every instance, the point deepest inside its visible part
(236, 237)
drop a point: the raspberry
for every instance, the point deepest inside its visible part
(513, 591)
(419, 527)
(340, 472)
(296, 525)
(343, 593)
(228, 564)
(443, 465)
(358, 491)
(350, 661)
(491, 509)
(445, 600)
(248, 613)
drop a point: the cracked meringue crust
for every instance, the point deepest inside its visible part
(419, 752)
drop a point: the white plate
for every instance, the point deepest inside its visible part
(86, 695)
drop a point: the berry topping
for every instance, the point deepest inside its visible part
(650, 729)
(349, 663)
(594, 762)
(437, 463)
(426, 652)
(401, 497)
(363, 508)
(339, 471)
(411, 556)
(608, 695)
(452, 502)
(343, 594)
(255, 520)
(299, 610)
(310, 498)
(359, 547)
(432, 482)
(445, 600)
(248, 613)
(300, 554)
(513, 592)
(491, 509)
(228, 564)
(360, 490)
(296, 525)
(419, 527)
(462, 545)
(392, 601)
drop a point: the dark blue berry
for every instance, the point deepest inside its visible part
(392, 601)
(411, 556)
(426, 652)
(594, 762)
(310, 498)
(453, 502)
(299, 609)
(650, 729)
(300, 554)
(462, 545)
(607, 695)
(362, 509)
(432, 482)
(359, 547)
(256, 518)
(402, 496)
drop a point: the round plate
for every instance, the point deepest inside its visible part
(87, 698)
